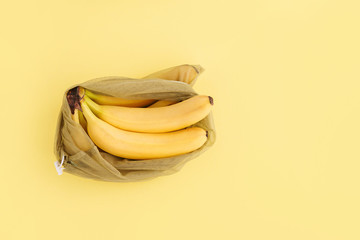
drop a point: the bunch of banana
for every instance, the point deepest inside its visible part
(139, 132)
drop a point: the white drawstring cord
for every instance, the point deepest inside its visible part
(59, 166)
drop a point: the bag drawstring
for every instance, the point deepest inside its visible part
(59, 166)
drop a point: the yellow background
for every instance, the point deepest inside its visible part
(285, 78)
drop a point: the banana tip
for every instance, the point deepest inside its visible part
(211, 100)
(207, 134)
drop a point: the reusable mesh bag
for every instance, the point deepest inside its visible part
(169, 84)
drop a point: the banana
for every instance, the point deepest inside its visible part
(135, 145)
(75, 116)
(161, 119)
(109, 100)
(162, 103)
(82, 120)
(78, 135)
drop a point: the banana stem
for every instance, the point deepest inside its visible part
(89, 115)
(92, 105)
(91, 94)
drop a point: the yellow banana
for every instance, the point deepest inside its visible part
(109, 100)
(82, 120)
(161, 119)
(78, 135)
(75, 116)
(135, 145)
(162, 103)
